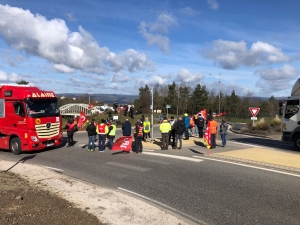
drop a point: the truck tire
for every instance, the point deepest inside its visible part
(15, 146)
(296, 142)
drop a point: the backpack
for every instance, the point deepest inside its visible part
(221, 127)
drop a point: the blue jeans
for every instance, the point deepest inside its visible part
(223, 137)
(91, 143)
(187, 134)
(102, 138)
(196, 130)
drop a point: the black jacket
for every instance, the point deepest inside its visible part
(91, 130)
(200, 122)
(179, 127)
(126, 128)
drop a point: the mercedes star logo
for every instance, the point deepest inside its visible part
(48, 125)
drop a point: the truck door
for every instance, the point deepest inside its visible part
(19, 120)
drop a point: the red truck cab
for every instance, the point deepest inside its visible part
(29, 119)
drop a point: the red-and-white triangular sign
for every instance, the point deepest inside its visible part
(254, 111)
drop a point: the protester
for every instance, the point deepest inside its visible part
(179, 130)
(195, 130)
(138, 135)
(102, 130)
(172, 132)
(111, 133)
(131, 111)
(115, 106)
(91, 131)
(125, 108)
(126, 128)
(165, 128)
(146, 129)
(200, 125)
(71, 128)
(223, 131)
(213, 128)
(186, 121)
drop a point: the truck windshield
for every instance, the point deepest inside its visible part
(292, 108)
(42, 109)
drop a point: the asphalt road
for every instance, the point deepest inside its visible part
(202, 190)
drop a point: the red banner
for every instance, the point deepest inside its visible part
(123, 143)
(207, 140)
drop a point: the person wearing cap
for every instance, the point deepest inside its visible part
(102, 130)
(138, 136)
(91, 131)
(111, 134)
(165, 128)
(126, 128)
(200, 124)
(186, 121)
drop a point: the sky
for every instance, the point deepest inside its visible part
(116, 47)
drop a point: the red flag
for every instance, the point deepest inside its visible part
(221, 114)
(82, 120)
(203, 113)
(91, 106)
(123, 143)
(207, 140)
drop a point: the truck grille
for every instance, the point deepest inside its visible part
(47, 130)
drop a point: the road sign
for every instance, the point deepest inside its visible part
(254, 111)
(168, 106)
(253, 118)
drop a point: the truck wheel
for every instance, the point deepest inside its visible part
(15, 146)
(296, 142)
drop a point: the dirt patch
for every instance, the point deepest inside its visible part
(22, 203)
(47, 197)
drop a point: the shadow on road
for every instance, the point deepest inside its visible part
(23, 160)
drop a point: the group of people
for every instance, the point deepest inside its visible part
(127, 110)
(103, 130)
(141, 132)
(175, 129)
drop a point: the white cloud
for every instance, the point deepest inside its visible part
(63, 68)
(52, 40)
(9, 77)
(213, 4)
(189, 11)
(287, 72)
(230, 54)
(152, 31)
(276, 79)
(119, 77)
(187, 77)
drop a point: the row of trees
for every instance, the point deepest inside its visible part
(184, 99)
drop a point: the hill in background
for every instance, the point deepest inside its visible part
(104, 98)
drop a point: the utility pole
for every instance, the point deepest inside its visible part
(152, 114)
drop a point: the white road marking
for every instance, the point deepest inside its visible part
(255, 167)
(251, 145)
(162, 204)
(135, 168)
(148, 150)
(173, 156)
(52, 168)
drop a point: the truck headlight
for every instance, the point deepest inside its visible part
(34, 138)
